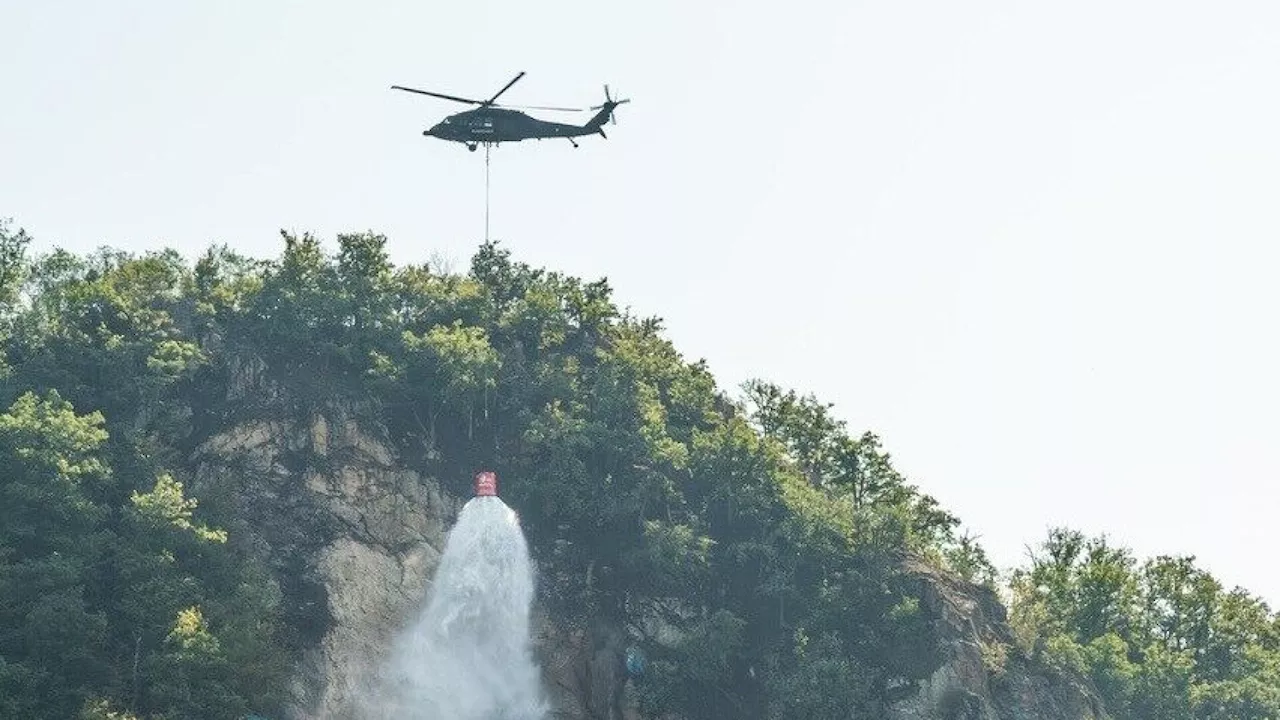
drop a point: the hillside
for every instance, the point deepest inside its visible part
(222, 479)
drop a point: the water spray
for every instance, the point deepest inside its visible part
(467, 655)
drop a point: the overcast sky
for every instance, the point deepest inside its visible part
(1032, 245)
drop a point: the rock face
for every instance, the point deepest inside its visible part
(354, 539)
(983, 677)
(583, 671)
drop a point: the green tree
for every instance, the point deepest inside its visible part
(87, 585)
(1160, 639)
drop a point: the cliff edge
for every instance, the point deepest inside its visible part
(353, 538)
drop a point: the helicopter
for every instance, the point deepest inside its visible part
(490, 123)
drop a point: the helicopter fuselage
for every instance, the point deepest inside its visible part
(495, 125)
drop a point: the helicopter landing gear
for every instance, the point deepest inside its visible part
(572, 142)
(471, 147)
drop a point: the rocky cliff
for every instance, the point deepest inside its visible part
(354, 537)
(983, 676)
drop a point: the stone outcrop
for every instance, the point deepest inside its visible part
(983, 676)
(354, 538)
(583, 671)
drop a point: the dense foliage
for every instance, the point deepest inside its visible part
(756, 526)
(115, 595)
(1161, 639)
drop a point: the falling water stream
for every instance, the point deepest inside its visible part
(467, 655)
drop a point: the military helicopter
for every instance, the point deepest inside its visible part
(490, 123)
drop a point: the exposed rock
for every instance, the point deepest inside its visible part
(583, 671)
(983, 675)
(353, 538)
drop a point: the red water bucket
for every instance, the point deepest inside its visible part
(486, 483)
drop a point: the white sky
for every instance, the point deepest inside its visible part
(1030, 244)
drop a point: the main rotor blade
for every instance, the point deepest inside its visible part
(505, 88)
(455, 98)
(539, 107)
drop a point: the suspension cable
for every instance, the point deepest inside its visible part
(486, 192)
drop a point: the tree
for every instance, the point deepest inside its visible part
(1160, 639)
(87, 583)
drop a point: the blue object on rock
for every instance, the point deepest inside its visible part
(635, 661)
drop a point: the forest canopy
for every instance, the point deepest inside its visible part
(771, 534)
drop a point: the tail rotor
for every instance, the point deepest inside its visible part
(610, 103)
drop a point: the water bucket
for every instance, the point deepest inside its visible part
(486, 484)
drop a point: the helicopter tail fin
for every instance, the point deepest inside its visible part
(596, 123)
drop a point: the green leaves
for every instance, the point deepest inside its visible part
(857, 473)
(13, 267)
(817, 679)
(1160, 639)
(190, 636)
(166, 505)
(465, 361)
(173, 358)
(674, 559)
(90, 582)
(53, 474)
(45, 434)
